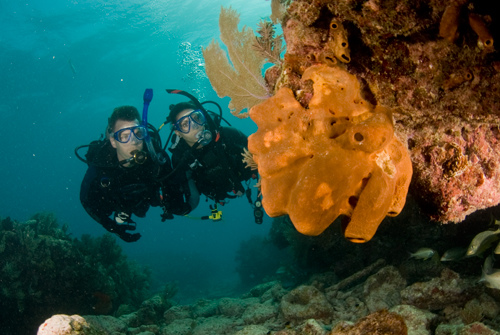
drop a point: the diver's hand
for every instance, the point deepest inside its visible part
(121, 231)
(123, 224)
(127, 237)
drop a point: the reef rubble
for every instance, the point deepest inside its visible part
(382, 302)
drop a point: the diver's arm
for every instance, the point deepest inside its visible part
(99, 210)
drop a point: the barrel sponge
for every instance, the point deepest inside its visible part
(338, 156)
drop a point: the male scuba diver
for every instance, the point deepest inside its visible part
(209, 153)
(124, 176)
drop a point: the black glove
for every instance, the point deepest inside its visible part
(121, 228)
(166, 216)
(127, 237)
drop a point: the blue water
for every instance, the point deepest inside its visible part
(65, 64)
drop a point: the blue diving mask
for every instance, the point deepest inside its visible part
(124, 135)
(195, 118)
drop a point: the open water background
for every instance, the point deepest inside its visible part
(65, 64)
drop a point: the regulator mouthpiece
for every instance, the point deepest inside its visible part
(138, 157)
(204, 137)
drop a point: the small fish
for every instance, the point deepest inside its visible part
(482, 241)
(490, 276)
(423, 253)
(281, 270)
(497, 249)
(453, 254)
(73, 69)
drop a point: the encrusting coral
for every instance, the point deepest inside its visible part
(433, 62)
(339, 156)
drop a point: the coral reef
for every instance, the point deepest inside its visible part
(365, 285)
(435, 64)
(338, 157)
(446, 91)
(42, 270)
(307, 309)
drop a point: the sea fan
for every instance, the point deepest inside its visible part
(240, 76)
(267, 44)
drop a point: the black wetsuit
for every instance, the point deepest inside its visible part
(217, 168)
(109, 188)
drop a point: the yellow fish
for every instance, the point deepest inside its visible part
(497, 249)
(490, 276)
(482, 241)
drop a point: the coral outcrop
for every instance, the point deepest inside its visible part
(435, 63)
(338, 156)
(44, 271)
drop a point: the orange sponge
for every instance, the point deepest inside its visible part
(339, 156)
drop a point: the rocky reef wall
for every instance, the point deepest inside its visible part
(435, 63)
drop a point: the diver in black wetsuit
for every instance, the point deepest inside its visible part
(208, 153)
(125, 178)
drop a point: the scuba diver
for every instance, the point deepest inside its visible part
(125, 174)
(209, 154)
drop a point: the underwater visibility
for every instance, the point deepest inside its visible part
(275, 167)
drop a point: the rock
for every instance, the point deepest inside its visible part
(61, 324)
(417, 321)
(258, 290)
(380, 323)
(215, 325)
(438, 293)
(306, 302)
(176, 313)
(205, 308)
(107, 323)
(253, 330)
(259, 313)
(179, 327)
(231, 307)
(310, 327)
(476, 328)
(382, 289)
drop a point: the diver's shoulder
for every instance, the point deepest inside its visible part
(231, 132)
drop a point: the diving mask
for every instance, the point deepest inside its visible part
(124, 135)
(195, 118)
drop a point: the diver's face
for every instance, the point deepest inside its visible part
(123, 150)
(194, 128)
